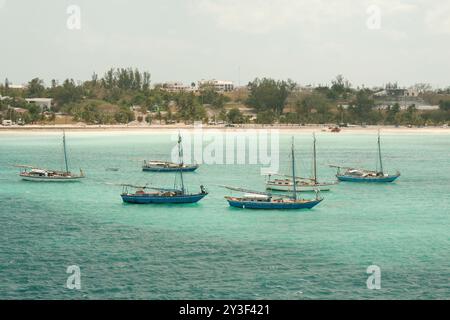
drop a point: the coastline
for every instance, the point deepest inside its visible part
(174, 128)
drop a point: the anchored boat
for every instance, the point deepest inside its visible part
(177, 195)
(160, 195)
(31, 173)
(363, 175)
(302, 184)
(267, 201)
(161, 166)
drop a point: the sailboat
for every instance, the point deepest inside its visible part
(363, 175)
(263, 200)
(31, 173)
(302, 184)
(163, 166)
(177, 195)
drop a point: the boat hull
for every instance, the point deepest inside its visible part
(52, 179)
(272, 205)
(300, 188)
(175, 169)
(156, 199)
(385, 179)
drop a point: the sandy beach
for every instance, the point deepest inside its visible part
(173, 128)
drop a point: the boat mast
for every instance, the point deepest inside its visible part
(315, 159)
(65, 151)
(180, 155)
(294, 181)
(379, 152)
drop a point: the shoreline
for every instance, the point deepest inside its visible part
(173, 128)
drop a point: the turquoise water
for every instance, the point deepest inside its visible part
(211, 251)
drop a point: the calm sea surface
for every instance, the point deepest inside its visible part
(211, 251)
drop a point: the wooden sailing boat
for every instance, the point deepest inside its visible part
(177, 195)
(163, 166)
(31, 173)
(302, 184)
(363, 175)
(166, 166)
(263, 200)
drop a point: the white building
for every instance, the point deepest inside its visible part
(43, 103)
(16, 86)
(218, 85)
(177, 87)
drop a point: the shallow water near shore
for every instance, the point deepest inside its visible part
(212, 251)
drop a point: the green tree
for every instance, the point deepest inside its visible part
(314, 107)
(391, 114)
(69, 92)
(124, 115)
(362, 106)
(269, 94)
(34, 113)
(266, 117)
(444, 105)
(235, 116)
(35, 88)
(188, 106)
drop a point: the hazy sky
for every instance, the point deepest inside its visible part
(308, 41)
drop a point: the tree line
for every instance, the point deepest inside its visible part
(108, 100)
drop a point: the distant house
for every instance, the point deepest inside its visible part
(218, 85)
(393, 91)
(16, 86)
(411, 93)
(44, 103)
(177, 86)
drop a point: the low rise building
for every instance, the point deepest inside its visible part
(177, 87)
(44, 103)
(218, 85)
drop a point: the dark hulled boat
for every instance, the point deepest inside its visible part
(364, 175)
(177, 195)
(267, 201)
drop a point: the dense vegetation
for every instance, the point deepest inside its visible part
(125, 95)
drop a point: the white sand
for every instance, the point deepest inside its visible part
(157, 129)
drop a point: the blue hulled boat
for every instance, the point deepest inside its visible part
(363, 175)
(161, 196)
(252, 201)
(353, 175)
(266, 201)
(177, 195)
